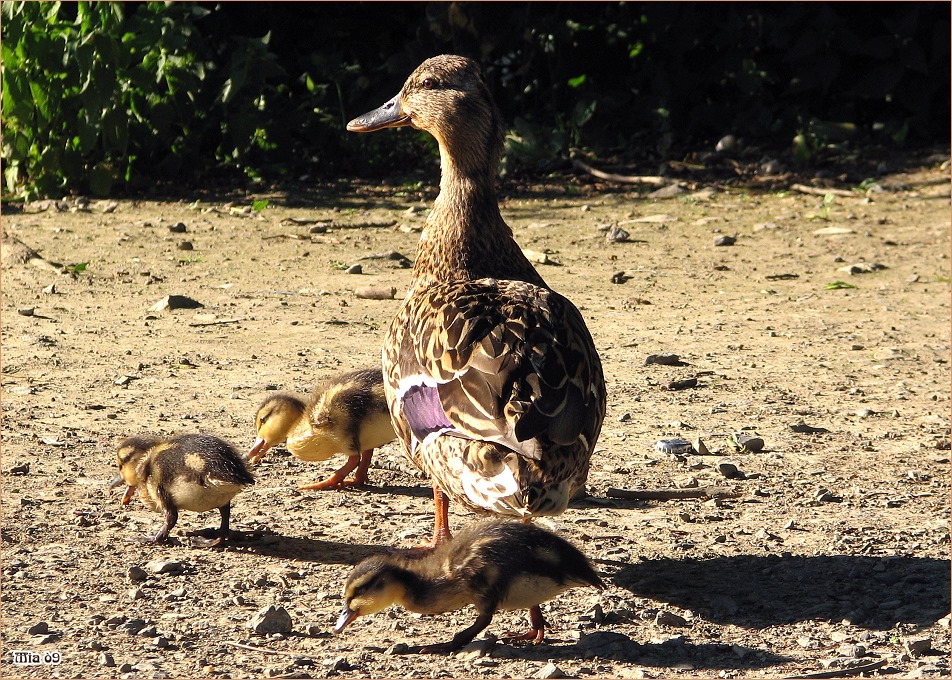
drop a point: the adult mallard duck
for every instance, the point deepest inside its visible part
(196, 472)
(346, 414)
(492, 565)
(492, 378)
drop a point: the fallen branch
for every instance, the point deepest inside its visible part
(673, 494)
(844, 673)
(625, 179)
(264, 650)
(818, 191)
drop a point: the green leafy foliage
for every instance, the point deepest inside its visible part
(103, 97)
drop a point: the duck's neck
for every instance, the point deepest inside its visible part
(426, 594)
(465, 236)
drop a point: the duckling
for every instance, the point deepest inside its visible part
(493, 381)
(196, 472)
(347, 414)
(494, 565)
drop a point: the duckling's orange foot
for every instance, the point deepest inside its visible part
(532, 635)
(332, 482)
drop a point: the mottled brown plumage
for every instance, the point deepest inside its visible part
(346, 414)
(492, 565)
(195, 472)
(492, 378)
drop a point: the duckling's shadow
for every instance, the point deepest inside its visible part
(614, 646)
(307, 549)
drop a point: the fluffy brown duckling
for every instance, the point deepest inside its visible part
(492, 378)
(196, 472)
(347, 414)
(493, 565)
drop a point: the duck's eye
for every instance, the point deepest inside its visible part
(430, 83)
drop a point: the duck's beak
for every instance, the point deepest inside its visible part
(346, 617)
(389, 115)
(257, 452)
(116, 481)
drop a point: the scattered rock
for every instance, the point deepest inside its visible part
(354, 269)
(338, 663)
(725, 240)
(747, 443)
(803, 428)
(918, 646)
(700, 448)
(39, 628)
(26, 311)
(539, 258)
(105, 659)
(550, 670)
(619, 277)
(666, 618)
(833, 231)
(683, 384)
(50, 289)
(271, 619)
(617, 235)
(178, 228)
(477, 649)
(376, 293)
(670, 191)
(137, 574)
(175, 302)
(165, 567)
(185, 245)
(399, 648)
(851, 651)
(862, 268)
(730, 471)
(664, 360)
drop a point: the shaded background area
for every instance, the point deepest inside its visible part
(104, 97)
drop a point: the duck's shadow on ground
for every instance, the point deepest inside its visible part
(609, 645)
(763, 591)
(306, 549)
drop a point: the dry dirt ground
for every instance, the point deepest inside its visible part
(830, 554)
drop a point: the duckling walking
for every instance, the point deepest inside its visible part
(492, 378)
(347, 414)
(194, 472)
(493, 565)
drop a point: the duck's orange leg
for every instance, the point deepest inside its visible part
(441, 521)
(336, 480)
(360, 477)
(536, 632)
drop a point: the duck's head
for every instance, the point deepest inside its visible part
(274, 421)
(130, 456)
(448, 97)
(373, 585)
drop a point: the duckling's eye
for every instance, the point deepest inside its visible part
(430, 83)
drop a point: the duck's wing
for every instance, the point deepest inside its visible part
(502, 361)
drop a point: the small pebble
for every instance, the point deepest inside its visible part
(185, 245)
(725, 240)
(917, 646)
(26, 311)
(730, 471)
(663, 359)
(748, 443)
(271, 619)
(137, 574)
(550, 670)
(106, 659)
(399, 648)
(178, 228)
(40, 628)
(125, 668)
(354, 269)
(617, 235)
(50, 289)
(666, 618)
(164, 567)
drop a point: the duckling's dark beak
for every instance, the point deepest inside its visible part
(116, 481)
(389, 115)
(346, 617)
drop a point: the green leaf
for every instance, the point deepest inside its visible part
(840, 285)
(260, 204)
(578, 81)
